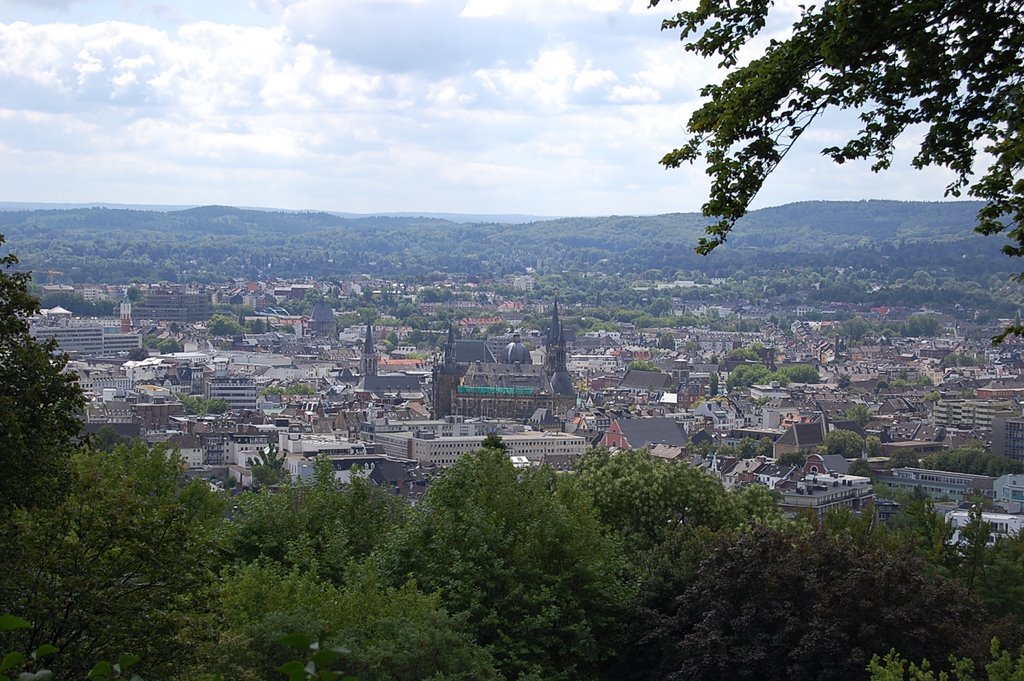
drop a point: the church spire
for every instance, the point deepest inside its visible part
(369, 365)
(449, 348)
(550, 346)
(556, 327)
(561, 381)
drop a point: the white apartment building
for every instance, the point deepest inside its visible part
(1000, 524)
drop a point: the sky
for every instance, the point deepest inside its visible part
(541, 107)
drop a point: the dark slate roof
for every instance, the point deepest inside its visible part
(545, 417)
(646, 380)
(834, 463)
(467, 351)
(802, 434)
(774, 470)
(391, 383)
(389, 473)
(561, 384)
(643, 432)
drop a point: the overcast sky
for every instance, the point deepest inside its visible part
(545, 107)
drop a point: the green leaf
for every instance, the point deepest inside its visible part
(43, 651)
(291, 667)
(300, 641)
(323, 658)
(10, 623)
(101, 671)
(11, 660)
(127, 661)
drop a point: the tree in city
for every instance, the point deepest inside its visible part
(644, 499)
(859, 413)
(844, 443)
(268, 468)
(952, 68)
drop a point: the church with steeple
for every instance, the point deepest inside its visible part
(469, 383)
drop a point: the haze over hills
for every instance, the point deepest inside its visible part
(512, 218)
(211, 243)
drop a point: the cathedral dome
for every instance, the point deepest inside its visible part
(516, 352)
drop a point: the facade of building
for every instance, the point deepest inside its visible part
(970, 413)
(238, 391)
(1008, 437)
(429, 449)
(84, 338)
(941, 485)
(1009, 488)
(513, 387)
(174, 303)
(822, 493)
(1000, 525)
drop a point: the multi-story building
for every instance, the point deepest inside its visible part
(87, 337)
(970, 413)
(1008, 437)
(823, 493)
(247, 443)
(429, 449)
(999, 524)
(940, 484)
(174, 303)
(1009, 488)
(238, 391)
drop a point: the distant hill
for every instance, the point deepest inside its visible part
(452, 217)
(211, 243)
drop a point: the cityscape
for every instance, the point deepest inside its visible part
(512, 340)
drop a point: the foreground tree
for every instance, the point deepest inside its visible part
(120, 565)
(793, 604)
(953, 66)
(39, 404)
(388, 634)
(520, 558)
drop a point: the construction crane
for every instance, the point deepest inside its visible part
(51, 273)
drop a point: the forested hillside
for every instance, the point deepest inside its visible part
(213, 243)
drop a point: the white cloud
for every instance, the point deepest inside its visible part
(545, 106)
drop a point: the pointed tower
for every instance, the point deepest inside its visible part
(369, 363)
(445, 379)
(449, 350)
(554, 334)
(561, 381)
(556, 327)
(126, 314)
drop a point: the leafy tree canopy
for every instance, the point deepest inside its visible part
(518, 557)
(39, 404)
(972, 460)
(951, 66)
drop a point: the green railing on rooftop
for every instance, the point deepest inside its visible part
(485, 390)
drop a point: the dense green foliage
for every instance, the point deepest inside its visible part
(950, 66)
(747, 375)
(788, 604)
(39, 404)
(518, 557)
(209, 244)
(972, 460)
(120, 564)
